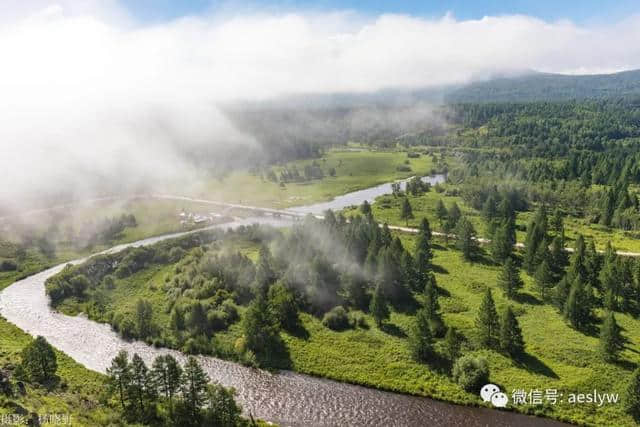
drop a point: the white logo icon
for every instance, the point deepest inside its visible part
(491, 393)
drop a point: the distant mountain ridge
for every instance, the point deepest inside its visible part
(548, 87)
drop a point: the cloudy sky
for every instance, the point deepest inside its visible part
(98, 85)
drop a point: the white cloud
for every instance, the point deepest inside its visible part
(86, 89)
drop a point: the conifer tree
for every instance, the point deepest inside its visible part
(420, 339)
(451, 345)
(194, 388)
(119, 375)
(167, 375)
(511, 341)
(441, 212)
(558, 256)
(406, 211)
(578, 307)
(611, 341)
(543, 280)
(501, 245)
(509, 279)
(487, 324)
(631, 396)
(379, 308)
(466, 239)
(454, 214)
(39, 360)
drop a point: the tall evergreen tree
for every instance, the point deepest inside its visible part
(119, 377)
(423, 253)
(558, 256)
(441, 212)
(611, 341)
(631, 396)
(509, 279)
(406, 211)
(487, 323)
(194, 388)
(501, 246)
(167, 375)
(451, 345)
(454, 215)
(511, 341)
(543, 280)
(141, 389)
(261, 329)
(420, 339)
(379, 308)
(466, 239)
(578, 307)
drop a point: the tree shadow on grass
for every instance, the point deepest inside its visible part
(626, 364)
(533, 364)
(391, 329)
(299, 331)
(526, 298)
(443, 292)
(439, 269)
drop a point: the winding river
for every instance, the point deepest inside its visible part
(286, 398)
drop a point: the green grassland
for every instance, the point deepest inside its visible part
(557, 356)
(64, 227)
(80, 392)
(387, 209)
(355, 170)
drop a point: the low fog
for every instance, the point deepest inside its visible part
(95, 103)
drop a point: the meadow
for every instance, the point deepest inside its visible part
(557, 357)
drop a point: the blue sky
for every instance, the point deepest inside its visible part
(583, 11)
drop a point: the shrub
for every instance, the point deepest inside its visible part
(336, 319)
(230, 309)
(218, 320)
(471, 373)
(403, 168)
(413, 155)
(8, 265)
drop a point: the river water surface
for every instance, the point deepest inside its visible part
(287, 398)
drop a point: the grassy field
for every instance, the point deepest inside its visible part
(387, 208)
(557, 357)
(67, 229)
(78, 395)
(355, 170)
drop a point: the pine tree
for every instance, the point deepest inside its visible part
(39, 360)
(501, 246)
(420, 339)
(451, 345)
(487, 324)
(454, 214)
(194, 387)
(119, 375)
(167, 375)
(631, 396)
(466, 236)
(441, 212)
(379, 308)
(543, 280)
(511, 341)
(423, 253)
(579, 305)
(432, 307)
(365, 208)
(406, 212)
(261, 329)
(141, 390)
(509, 279)
(558, 256)
(611, 341)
